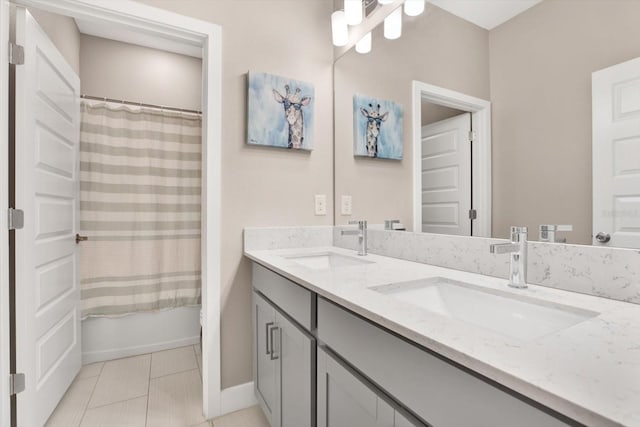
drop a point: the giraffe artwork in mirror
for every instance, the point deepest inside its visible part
(377, 128)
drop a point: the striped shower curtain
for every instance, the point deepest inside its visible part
(140, 192)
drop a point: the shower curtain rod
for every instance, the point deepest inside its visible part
(139, 104)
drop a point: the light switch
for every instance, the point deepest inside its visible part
(321, 204)
(345, 205)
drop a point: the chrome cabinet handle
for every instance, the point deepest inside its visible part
(274, 355)
(80, 238)
(268, 325)
(603, 237)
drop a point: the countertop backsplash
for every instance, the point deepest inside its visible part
(605, 272)
(264, 238)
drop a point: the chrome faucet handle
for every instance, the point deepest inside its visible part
(362, 223)
(361, 233)
(517, 248)
(388, 223)
(556, 227)
(548, 232)
(519, 234)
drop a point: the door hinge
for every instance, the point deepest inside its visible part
(472, 136)
(16, 384)
(473, 214)
(15, 219)
(16, 54)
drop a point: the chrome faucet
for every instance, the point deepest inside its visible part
(388, 223)
(361, 232)
(548, 233)
(518, 250)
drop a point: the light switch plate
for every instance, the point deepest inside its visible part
(345, 205)
(321, 204)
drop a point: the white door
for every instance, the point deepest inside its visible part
(446, 176)
(616, 155)
(47, 292)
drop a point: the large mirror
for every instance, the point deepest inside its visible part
(512, 113)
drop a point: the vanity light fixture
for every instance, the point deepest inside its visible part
(353, 10)
(339, 28)
(413, 7)
(364, 45)
(393, 25)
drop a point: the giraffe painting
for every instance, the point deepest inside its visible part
(374, 120)
(377, 128)
(280, 112)
(293, 113)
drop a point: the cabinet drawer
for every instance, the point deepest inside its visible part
(291, 298)
(440, 393)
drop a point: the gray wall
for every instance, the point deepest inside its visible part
(64, 34)
(541, 65)
(262, 186)
(113, 69)
(439, 49)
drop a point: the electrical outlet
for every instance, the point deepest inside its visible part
(345, 205)
(321, 204)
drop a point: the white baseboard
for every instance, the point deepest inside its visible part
(237, 397)
(118, 353)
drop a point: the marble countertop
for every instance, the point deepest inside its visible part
(589, 372)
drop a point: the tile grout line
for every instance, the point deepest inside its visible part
(86, 407)
(146, 415)
(117, 401)
(195, 353)
(177, 372)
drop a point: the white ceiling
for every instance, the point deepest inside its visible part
(128, 35)
(484, 13)
(487, 14)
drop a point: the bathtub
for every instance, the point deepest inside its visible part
(112, 338)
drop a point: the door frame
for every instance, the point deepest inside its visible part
(480, 110)
(5, 406)
(169, 25)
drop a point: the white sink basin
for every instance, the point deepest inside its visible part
(515, 316)
(326, 260)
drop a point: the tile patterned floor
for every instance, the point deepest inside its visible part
(162, 389)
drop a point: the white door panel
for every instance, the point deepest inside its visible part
(446, 176)
(616, 154)
(47, 286)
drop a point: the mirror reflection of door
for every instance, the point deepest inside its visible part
(537, 170)
(616, 155)
(446, 170)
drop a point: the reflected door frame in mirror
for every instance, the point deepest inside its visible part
(480, 110)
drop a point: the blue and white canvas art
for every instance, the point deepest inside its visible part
(280, 112)
(377, 128)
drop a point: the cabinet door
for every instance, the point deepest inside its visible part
(264, 369)
(343, 400)
(295, 354)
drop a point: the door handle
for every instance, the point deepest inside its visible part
(274, 355)
(268, 325)
(80, 238)
(603, 237)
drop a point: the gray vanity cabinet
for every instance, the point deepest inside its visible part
(264, 370)
(435, 390)
(283, 358)
(345, 400)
